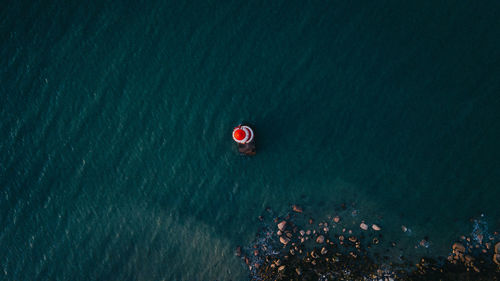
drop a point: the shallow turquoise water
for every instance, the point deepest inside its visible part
(116, 158)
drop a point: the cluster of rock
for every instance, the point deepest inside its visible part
(329, 251)
(468, 254)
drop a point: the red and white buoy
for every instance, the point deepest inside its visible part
(243, 134)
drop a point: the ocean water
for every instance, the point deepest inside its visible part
(116, 157)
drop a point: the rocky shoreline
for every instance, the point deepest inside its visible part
(294, 247)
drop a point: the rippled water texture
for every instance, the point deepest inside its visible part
(116, 157)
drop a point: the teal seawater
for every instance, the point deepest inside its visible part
(116, 157)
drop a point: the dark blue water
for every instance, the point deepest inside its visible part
(116, 157)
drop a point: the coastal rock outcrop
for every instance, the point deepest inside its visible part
(337, 248)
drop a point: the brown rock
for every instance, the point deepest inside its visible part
(458, 248)
(363, 226)
(496, 258)
(281, 225)
(336, 219)
(376, 227)
(313, 254)
(324, 251)
(297, 208)
(320, 239)
(281, 268)
(298, 270)
(284, 240)
(497, 248)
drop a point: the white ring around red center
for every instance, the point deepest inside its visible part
(248, 134)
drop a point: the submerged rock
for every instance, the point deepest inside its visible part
(376, 227)
(297, 208)
(336, 219)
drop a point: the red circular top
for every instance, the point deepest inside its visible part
(239, 134)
